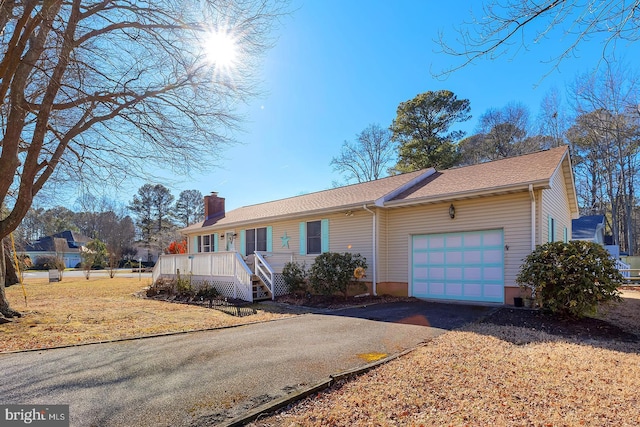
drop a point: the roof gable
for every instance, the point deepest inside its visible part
(424, 186)
(346, 197)
(496, 176)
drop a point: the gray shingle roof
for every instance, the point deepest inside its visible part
(499, 175)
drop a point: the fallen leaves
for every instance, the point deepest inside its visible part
(487, 375)
(76, 311)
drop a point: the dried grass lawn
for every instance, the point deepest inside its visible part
(491, 375)
(78, 310)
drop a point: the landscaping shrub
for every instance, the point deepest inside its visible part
(207, 292)
(183, 285)
(162, 286)
(294, 275)
(571, 278)
(333, 272)
(49, 262)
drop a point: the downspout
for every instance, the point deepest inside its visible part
(533, 217)
(375, 250)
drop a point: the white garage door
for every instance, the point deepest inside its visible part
(458, 266)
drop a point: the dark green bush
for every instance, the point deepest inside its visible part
(49, 262)
(333, 272)
(294, 275)
(572, 278)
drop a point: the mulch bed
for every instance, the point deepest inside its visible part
(585, 328)
(337, 301)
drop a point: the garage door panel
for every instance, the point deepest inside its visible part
(464, 266)
(473, 240)
(454, 289)
(473, 273)
(421, 287)
(436, 242)
(420, 242)
(420, 258)
(494, 291)
(436, 273)
(454, 273)
(473, 290)
(492, 238)
(454, 257)
(420, 273)
(436, 288)
(493, 273)
(453, 241)
(473, 257)
(492, 256)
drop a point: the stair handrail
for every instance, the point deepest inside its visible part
(261, 265)
(242, 276)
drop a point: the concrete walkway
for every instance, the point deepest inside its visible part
(206, 378)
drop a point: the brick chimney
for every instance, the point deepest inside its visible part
(213, 206)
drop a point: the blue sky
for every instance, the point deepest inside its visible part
(338, 66)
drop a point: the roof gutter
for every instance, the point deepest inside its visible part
(532, 196)
(374, 285)
(544, 184)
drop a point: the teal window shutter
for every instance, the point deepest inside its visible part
(196, 245)
(303, 238)
(215, 238)
(243, 242)
(324, 230)
(550, 236)
(566, 235)
(269, 238)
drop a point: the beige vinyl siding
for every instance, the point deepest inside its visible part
(511, 213)
(383, 245)
(555, 203)
(346, 234)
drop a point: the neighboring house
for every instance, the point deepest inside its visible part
(592, 228)
(589, 228)
(457, 234)
(65, 245)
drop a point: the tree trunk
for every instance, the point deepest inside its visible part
(6, 273)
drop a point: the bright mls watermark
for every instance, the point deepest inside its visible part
(34, 415)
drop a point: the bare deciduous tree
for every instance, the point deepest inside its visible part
(99, 90)
(518, 25)
(606, 139)
(368, 157)
(502, 132)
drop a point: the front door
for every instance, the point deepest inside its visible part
(230, 241)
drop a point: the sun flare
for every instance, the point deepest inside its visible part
(221, 49)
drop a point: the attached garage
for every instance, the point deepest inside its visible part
(467, 266)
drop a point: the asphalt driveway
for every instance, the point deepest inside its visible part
(205, 378)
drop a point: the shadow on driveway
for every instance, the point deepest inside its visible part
(446, 316)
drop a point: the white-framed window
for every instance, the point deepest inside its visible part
(207, 243)
(255, 240)
(314, 237)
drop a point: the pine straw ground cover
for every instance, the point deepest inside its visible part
(492, 375)
(77, 310)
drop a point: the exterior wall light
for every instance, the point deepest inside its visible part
(452, 211)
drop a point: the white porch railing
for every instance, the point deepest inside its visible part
(265, 272)
(625, 269)
(226, 271)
